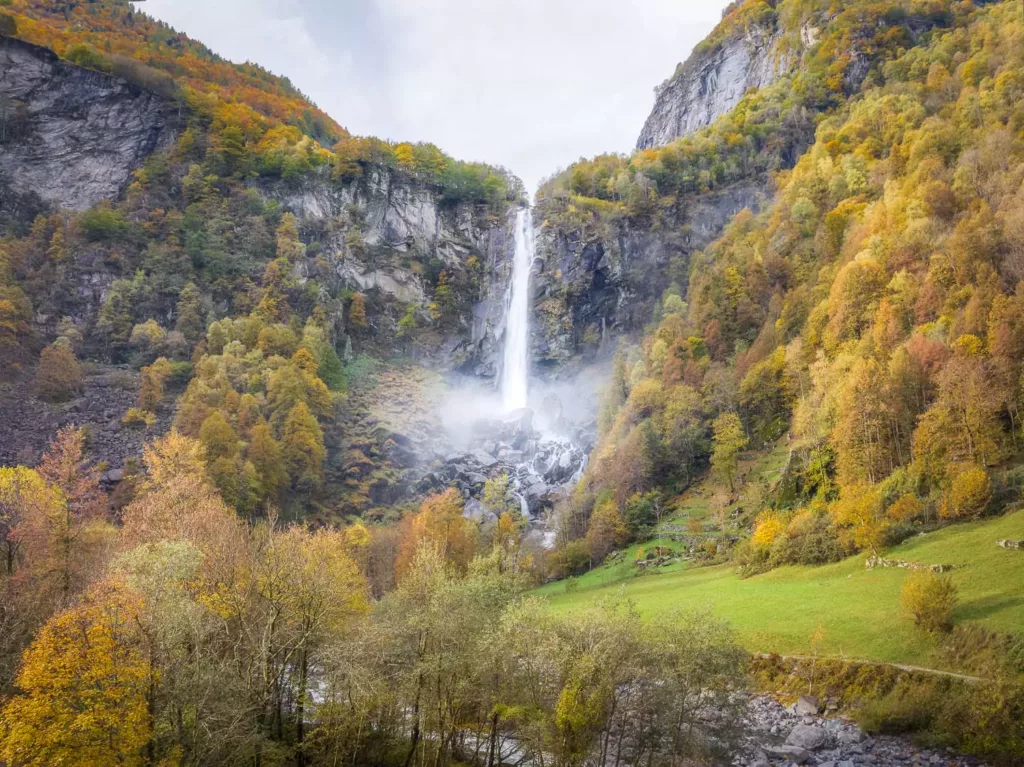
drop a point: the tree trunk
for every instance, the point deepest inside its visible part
(493, 739)
(300, 710)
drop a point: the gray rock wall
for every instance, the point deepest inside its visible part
(71, 136)
(710, 83)
(594, 284)
(401, 222)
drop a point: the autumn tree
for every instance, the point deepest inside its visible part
(439, 523)
(59, 376)
(963, 425)
(357, 312)
(177, 500)
(289, 246)
(152, 379)
(265, 454)
(70, 539)
(930, 599)
(190, 321)
(729, 440)
(607, 530)
(83, 688)
(860, 512)
(302, 447)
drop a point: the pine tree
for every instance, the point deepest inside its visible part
(289, 246)
(265, 455)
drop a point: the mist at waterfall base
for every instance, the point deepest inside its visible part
(559, 407)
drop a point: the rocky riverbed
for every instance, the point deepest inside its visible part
(776, 735)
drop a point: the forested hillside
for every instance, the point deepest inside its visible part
(257, 251)
(235, 531)
(869, 314)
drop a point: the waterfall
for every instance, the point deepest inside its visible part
(515, 370)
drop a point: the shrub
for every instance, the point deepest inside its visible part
(137, 418)
(906, 708)
(84, 55)
(8, 25)
(906, 509)
(809, 539)
(968, 495)
(574, 559)
(103, 224)
(930, 598)
(768, 527)
(59, 377)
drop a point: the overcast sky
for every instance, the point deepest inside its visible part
(529, 84)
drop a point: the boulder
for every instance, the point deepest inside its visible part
(807, 736)
(485, 459)
(794, 754)
(851, 735)
(808, 705)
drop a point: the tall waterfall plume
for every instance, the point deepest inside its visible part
(515, 371)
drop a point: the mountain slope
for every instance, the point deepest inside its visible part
(144, 202)
(871, 312)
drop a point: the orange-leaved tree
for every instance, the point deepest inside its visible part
(440, 524)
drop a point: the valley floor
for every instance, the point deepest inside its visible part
(847, 610)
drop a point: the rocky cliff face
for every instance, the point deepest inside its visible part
(599, 280)
(379, 231)
(711, 82)
(70, 136)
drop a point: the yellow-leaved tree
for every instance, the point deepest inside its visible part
(83, 688)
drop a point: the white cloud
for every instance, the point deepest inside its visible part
(531, 85)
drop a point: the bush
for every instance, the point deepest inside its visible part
(137, 418)
(768, 526)
(809, 539)
(930, 598)
(84, 55)
(906, 708)
(59, 377)
(103, 224)
(573, 559)
(906, 509)
(8, 25)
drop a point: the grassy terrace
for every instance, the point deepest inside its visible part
(857, 610)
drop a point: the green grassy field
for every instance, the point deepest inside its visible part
(855, 611)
